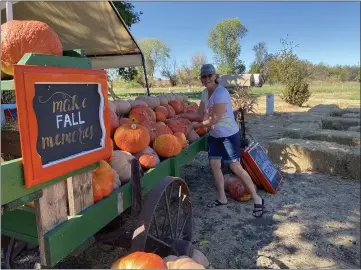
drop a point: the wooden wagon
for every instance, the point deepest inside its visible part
(59, 215)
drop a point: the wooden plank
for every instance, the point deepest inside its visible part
(80, 192)
(23, 200)
(21, 224)
(54, 61)
(7, 85)
(12, 180)
(10, 142)
(50, 211)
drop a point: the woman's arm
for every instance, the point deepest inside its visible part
(214, 117)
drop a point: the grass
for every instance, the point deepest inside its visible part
(320, 91)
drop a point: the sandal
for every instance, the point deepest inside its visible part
(258, 208)
(215, 204)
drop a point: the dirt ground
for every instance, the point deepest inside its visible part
(312, 222)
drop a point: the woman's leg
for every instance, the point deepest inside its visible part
(215, 165)
(215, 157)
(233, 156)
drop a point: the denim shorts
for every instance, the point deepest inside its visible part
(227, 149)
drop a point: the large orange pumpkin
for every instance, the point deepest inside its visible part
(139, 260)
(151, 114)
(139, 115)
(20, 37)
(132, 138)
(182, 139)
(167, 145)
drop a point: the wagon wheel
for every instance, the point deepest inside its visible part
(165, 223)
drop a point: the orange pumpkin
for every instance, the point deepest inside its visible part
(162, 109)
(178, 125)
(20, 37)
(147, 160)
(156, 129)
(182, 139)
(139, 260)
(151, 114)
(114, 121)
(194, 105)
(201, 131)
(171, 112)
(177, 106)
(139, 115)
(132, 138)
(181, 262)
(238, 191)
(102, 180)
(167, 145)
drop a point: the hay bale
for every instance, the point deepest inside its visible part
(298, 130)
(355, 129)
(325, 109)
(323, 157)
(350, 138)
(351, 115)
(351, 110)
(339, 123)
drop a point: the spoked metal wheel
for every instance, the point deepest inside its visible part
(165, 223)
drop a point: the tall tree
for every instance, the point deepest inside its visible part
(197, 61)
(259, 65)
(130, 17)
(155, 53)
(127, 12)
(169, 70)
(224, 40)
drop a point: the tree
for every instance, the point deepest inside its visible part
(127, 12)
(155, 52)
(169, 70)
(197, 61)
(224, 40)
(184, 75)
(130, 17)
(128, 73)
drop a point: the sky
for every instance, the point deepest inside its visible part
(326, 32)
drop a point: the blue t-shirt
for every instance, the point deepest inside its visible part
(227, 125)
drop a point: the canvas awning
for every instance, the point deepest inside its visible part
(93, 26)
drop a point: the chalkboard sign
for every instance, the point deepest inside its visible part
(63, 120)
(262, 170)
(70, 121)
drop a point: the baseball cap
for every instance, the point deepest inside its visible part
(208, 69)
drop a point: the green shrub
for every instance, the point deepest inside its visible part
(296, 92)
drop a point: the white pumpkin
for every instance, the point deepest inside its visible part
(121, 163)
(122, 107)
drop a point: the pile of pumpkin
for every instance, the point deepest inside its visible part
(146, 129)
(144, 260)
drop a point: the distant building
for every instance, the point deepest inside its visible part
(230, 81)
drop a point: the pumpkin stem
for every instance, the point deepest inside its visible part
(133, 126)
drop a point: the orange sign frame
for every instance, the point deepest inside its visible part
(25, 78)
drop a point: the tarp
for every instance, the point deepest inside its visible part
(93, 26)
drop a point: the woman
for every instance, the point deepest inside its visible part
(224, 137)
